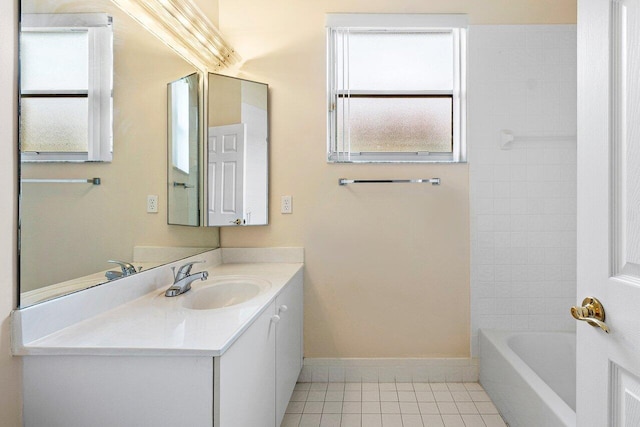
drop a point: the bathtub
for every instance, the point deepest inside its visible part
(530, 376)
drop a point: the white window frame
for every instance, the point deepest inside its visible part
(99, 93)
(456, 24)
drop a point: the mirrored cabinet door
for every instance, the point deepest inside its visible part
(237, 152)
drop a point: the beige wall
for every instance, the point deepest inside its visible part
(91, 225)
(224, 99)
(387, 266)
(10, 374)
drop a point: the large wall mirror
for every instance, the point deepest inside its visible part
(70, 227)
(237, 152)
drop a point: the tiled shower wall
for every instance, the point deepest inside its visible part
(523, 197)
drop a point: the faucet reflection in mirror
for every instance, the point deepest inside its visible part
(185, 28)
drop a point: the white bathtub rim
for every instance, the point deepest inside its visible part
(558, 406)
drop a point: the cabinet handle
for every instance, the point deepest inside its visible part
(282, 309)
(275, 318)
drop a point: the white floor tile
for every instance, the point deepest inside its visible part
(352, 396)
(299, 396)
(335, 387)
(479, 396)
(432, 421)
(467, 408)
(486, 408)
(371, 408)
(404, 386)
(443, 396)
(425, 396)
(391, 404)
(406, 396)
(391, 420)
(409, 420)
(409, 408)
(493, 420)
(461, 396)
(313, 408)
(319, 386)
(291, 420)
(351, 420)
(421, 387)
(370, 387)
(473, 421)
(352, 408)
(334, 396)
(390, 407)
(370, 396)
(456, 387)
(295, 408)
(388, 396)
(371, 420)
(453, 421)
(316, 396)
(447, 408)
(330, 420)
(332, 408)
(428, 408)
(439, 387)
(473, 387)
(310, 420)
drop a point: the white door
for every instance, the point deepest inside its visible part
(226, 174)
(608, 373)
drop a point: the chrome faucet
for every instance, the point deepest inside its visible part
(183, 278)
(127, 269)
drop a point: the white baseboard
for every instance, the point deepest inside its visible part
(389, 370)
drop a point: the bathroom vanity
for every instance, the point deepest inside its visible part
(124, 354)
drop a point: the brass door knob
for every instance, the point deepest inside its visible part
(591, 312)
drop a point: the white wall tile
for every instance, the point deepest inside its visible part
(523, 200)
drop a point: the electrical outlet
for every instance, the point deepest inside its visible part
(285, 205)
(152, 204)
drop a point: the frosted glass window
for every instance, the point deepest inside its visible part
(66, 87)
(400, 124)
(55, 61)
(180, 124)
(54, 124)
(396, 92)
(399, 61)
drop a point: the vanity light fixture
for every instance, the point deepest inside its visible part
(182, 26)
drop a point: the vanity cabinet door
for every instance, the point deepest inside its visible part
(245, 377)
(288, 343)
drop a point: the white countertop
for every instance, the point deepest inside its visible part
(156, 325)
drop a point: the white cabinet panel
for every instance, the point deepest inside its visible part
(103, 391)
(245, 377)
(288, 343)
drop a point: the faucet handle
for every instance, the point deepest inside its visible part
(127, 268)
(185, 269)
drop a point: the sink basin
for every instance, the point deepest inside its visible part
(223, 292)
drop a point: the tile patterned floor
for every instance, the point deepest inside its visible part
(391, 405)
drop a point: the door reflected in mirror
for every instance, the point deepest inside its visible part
(183, 151)
(237, 152)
